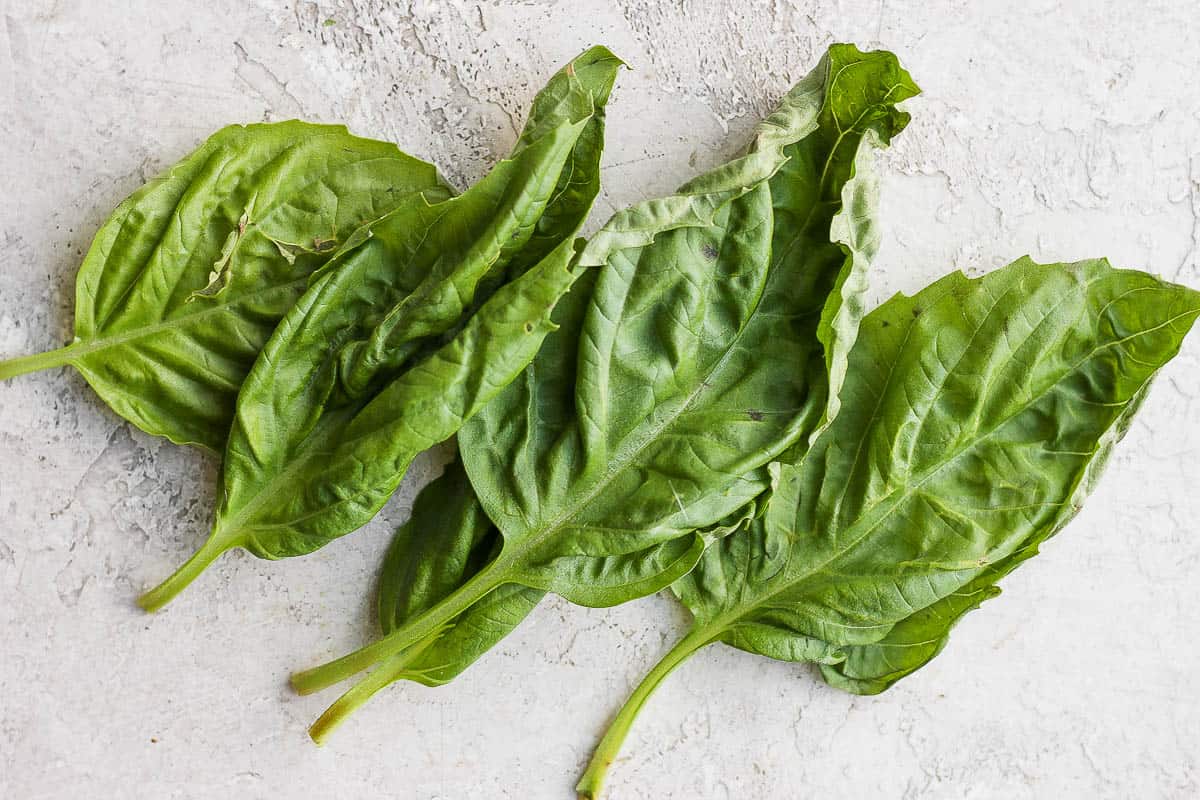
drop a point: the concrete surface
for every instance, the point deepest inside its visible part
(1062, 128)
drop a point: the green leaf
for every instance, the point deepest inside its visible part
(402, 339)
(568, 115)
(651, 414)
(187, 279)
(976, 416)
(915, 640)
(982, 413)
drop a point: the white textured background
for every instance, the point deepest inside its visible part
(1061, 128)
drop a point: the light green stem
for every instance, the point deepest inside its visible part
(389, 672)
(592, 782)
(53, 358)
(404, 637)
(162, 594)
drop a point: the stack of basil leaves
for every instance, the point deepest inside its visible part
(693, 398)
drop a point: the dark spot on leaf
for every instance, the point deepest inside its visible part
(916, 313)
(709, 250)
(756, 415)
(886, 323)
(529, 327)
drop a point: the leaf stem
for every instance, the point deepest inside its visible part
(179, 580)
(592, 782)
(357, 695)
(38, 361)
(408, 634)
(389, 672)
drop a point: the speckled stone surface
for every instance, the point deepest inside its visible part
(1059, 128)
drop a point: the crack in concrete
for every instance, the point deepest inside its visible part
(263, 81)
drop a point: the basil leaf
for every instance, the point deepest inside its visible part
(187, 279)
(649, 416)
(976, 416)
(915, 640)
(652, 413)
(326, 425)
